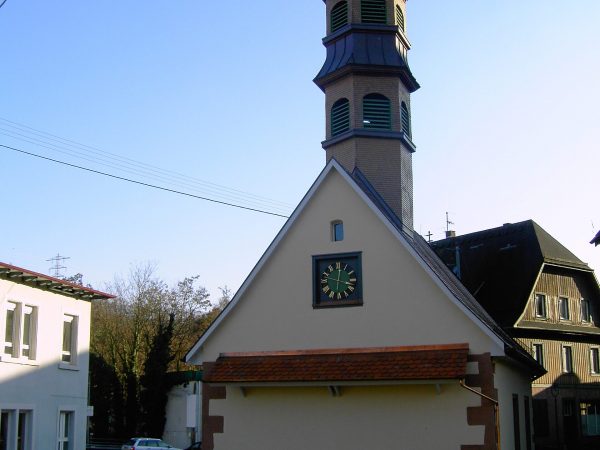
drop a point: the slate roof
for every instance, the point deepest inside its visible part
(364, 47)
(442, 362)
(500, 266)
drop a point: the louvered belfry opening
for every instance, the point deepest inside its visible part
(365, 78)
(340, 117)
(377, 112)
(399, 18)
(405, 117)
(339, 16)
(373, 11)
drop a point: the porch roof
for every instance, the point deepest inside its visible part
(430, 362)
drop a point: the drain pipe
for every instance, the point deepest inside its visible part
(496, 409)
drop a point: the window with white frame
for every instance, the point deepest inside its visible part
(15, 429)
(538, 353)
(563, 308)
(69, 341)
(567, 359)
(65, 430)
(540, 306)
(20, 329)
(586, 315)
(595, 360)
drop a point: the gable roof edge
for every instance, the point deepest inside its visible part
(333, 164)
(263, 259)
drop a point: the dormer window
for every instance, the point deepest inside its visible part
(563, 308)
(540, 306)
(377, 112)
(337, 230)
(585, 311)
(340, 117)
(373, 11)
(339, 16)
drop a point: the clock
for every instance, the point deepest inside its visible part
(337, 280)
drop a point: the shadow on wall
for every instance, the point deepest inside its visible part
(43, 403)
(566, 415)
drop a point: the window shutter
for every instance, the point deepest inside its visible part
(339, 16)
(340, 117)
(405, 119)
(399, 18)
(376, 112)
(373, 11)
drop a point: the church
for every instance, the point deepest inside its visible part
(350, 333)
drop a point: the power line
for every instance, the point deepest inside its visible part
(142, 183)
(97, 156)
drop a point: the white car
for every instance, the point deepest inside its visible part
(145, 443)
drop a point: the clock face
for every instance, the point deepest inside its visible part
(337, 280)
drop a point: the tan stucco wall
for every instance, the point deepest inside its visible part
(402, 304)
(382, 418)
(510, 381)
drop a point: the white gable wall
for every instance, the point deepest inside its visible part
(402, 303)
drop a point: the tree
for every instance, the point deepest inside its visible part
(153, 383)
(129, 332)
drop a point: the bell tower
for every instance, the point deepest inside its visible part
(367, 85)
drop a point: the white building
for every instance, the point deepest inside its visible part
(44, 358)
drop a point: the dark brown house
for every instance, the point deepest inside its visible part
(549, 301)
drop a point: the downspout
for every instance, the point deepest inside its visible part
(496, 409)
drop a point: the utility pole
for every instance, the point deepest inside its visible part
(55, 270)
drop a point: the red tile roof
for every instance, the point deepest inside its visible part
(437, 362)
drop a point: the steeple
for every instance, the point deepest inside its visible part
(367, 85)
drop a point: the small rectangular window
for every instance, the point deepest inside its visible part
(540, 306)
(589, 411)
(69, 341)
(10, 329)
(567, 359)
(538, 353)
(65, 430)
(563, 308)
(67, 345)
(527, 422)
(516, 422)
(585, 311)
(595, 361)
(338, 231)
(541, 422)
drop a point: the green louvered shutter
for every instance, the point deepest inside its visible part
(373, 11)
(399, 18)
(340, 117)
(339, 16)
(405, 118)
(376, 112)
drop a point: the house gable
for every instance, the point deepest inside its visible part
(403, 301)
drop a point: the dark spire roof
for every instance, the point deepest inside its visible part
(364, 48)
(500, 266)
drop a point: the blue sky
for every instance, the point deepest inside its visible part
(505, 123)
